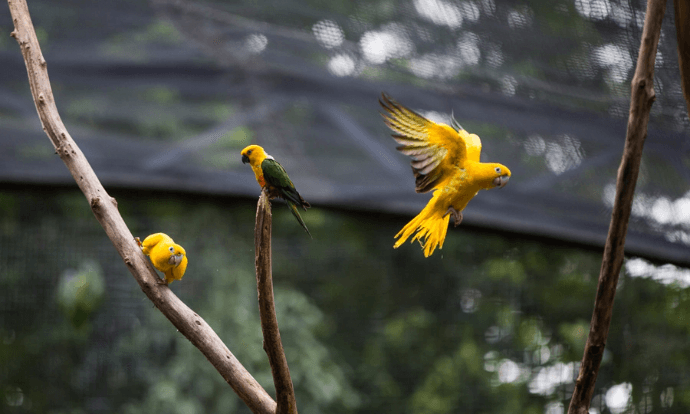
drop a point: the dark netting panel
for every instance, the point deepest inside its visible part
(164, 95)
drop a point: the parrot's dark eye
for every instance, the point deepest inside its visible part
(172, 249)
(249, 152)
(498, 169)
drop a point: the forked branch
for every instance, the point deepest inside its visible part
(191, 325)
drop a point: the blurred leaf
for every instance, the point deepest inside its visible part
(575, 335)
(80, 293)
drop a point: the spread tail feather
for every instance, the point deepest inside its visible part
(295, 212)
(430, 225)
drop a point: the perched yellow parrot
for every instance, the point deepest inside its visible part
(166, 256)
(272, 177)
(444, 159)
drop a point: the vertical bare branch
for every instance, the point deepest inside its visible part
(285, 394)
(642, 97)
(104, 207)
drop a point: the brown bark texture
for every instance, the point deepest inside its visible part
(285, 393)
(642, 97)
(104, 207)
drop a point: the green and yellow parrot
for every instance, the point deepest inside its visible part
(272, 177)
(445, 160)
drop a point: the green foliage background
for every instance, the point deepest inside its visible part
(490, 324)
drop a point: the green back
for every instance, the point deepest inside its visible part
(275, 174)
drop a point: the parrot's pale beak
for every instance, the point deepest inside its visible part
(245, 159)
(501, 181)
(175, 259)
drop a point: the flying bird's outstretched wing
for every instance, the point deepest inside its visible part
(435, 149)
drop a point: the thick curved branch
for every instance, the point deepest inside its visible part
(104, 207)
(285, 394)
(642, 97)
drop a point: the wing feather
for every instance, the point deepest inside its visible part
(427, 181)
(434, 148)
(422, 163)
(428, 167)
(415, 152)
(280, 182)
(407, 141)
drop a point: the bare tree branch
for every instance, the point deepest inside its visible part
(642, 97)
(285, 394)
(104, 207)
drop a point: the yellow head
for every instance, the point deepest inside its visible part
(177, 262)
(492, 175)
(177, 254)
(253, 155)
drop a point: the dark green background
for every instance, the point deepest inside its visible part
(366, 328)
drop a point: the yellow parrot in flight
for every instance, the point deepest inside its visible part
(166, 256)
(272, 177)
(445, 159)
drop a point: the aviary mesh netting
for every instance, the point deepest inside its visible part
(164, 95)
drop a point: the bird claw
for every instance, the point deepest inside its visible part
(138, 240)
(457, 216)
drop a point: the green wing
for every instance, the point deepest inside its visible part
(281, 185)
(275, 175)
(277, 178)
